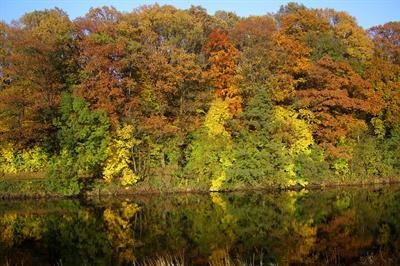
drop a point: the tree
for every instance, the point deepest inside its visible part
(211, 148)
(38, 63)
(119, 163)
(355, 38)
(222, 71)
(83, 138)
(267, 142)
(340, 102)
(298, 22)
(227, 103)
(259, 157)
(387, 41)
(104, 86)
(384, 77)
(288, 63)
(253, 31)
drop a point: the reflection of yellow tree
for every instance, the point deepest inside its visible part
(120, 229)
(15, 229)
(7, 229)
(302, 233)
(220, 255)
(301, 242)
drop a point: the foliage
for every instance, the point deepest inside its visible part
(169, 96)
(83, 138)
(119, 161)
(292, 131)
(313, 166)
(385, 38)
(40, 62)
(392, 149)
(260, 157)
(370, 159)
(211, 148)
(28, 160)
(269, 139)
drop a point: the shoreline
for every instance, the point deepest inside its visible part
(270, 189)
(131, 191)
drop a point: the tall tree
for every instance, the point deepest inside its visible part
(39, 63)
(340, 101)
(387, 41)
(102, 53)
(222, 71)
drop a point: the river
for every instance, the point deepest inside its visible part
(341, 226)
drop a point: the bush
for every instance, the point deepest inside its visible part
(27, 160)
(369, 159)
(313, 167)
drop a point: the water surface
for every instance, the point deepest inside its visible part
(349, 226)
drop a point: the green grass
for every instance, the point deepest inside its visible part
(24, 176)
(25, 185)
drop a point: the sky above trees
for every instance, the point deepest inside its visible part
(367, 12)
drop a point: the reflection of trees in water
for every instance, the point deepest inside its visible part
(333, 227)
(120, 230)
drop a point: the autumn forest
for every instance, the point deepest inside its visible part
(167, 99)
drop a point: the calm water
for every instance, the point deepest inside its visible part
(334, 227)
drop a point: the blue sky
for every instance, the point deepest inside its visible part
(367, 12)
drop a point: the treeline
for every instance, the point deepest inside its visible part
(170, 97)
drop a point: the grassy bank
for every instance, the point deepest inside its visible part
(21, 189)
(37, 185)
(110, 189)
(26, 186)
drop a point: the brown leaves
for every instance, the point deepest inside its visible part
(339, 98)
(254, 30)
(160, 125)
(387, 41)
(222, 71)
(39, 62)
(102, 56)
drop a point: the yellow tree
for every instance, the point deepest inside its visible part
(211, 154)
(119, 162)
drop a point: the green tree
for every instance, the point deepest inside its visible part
(260, 157)
(370, 159)
(83, 138)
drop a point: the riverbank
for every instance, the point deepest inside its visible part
(36, 186)
(26, 189)
(114, 190)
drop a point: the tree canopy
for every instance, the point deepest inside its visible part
(166, 91)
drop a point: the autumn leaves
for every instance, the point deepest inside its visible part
(233, 100)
